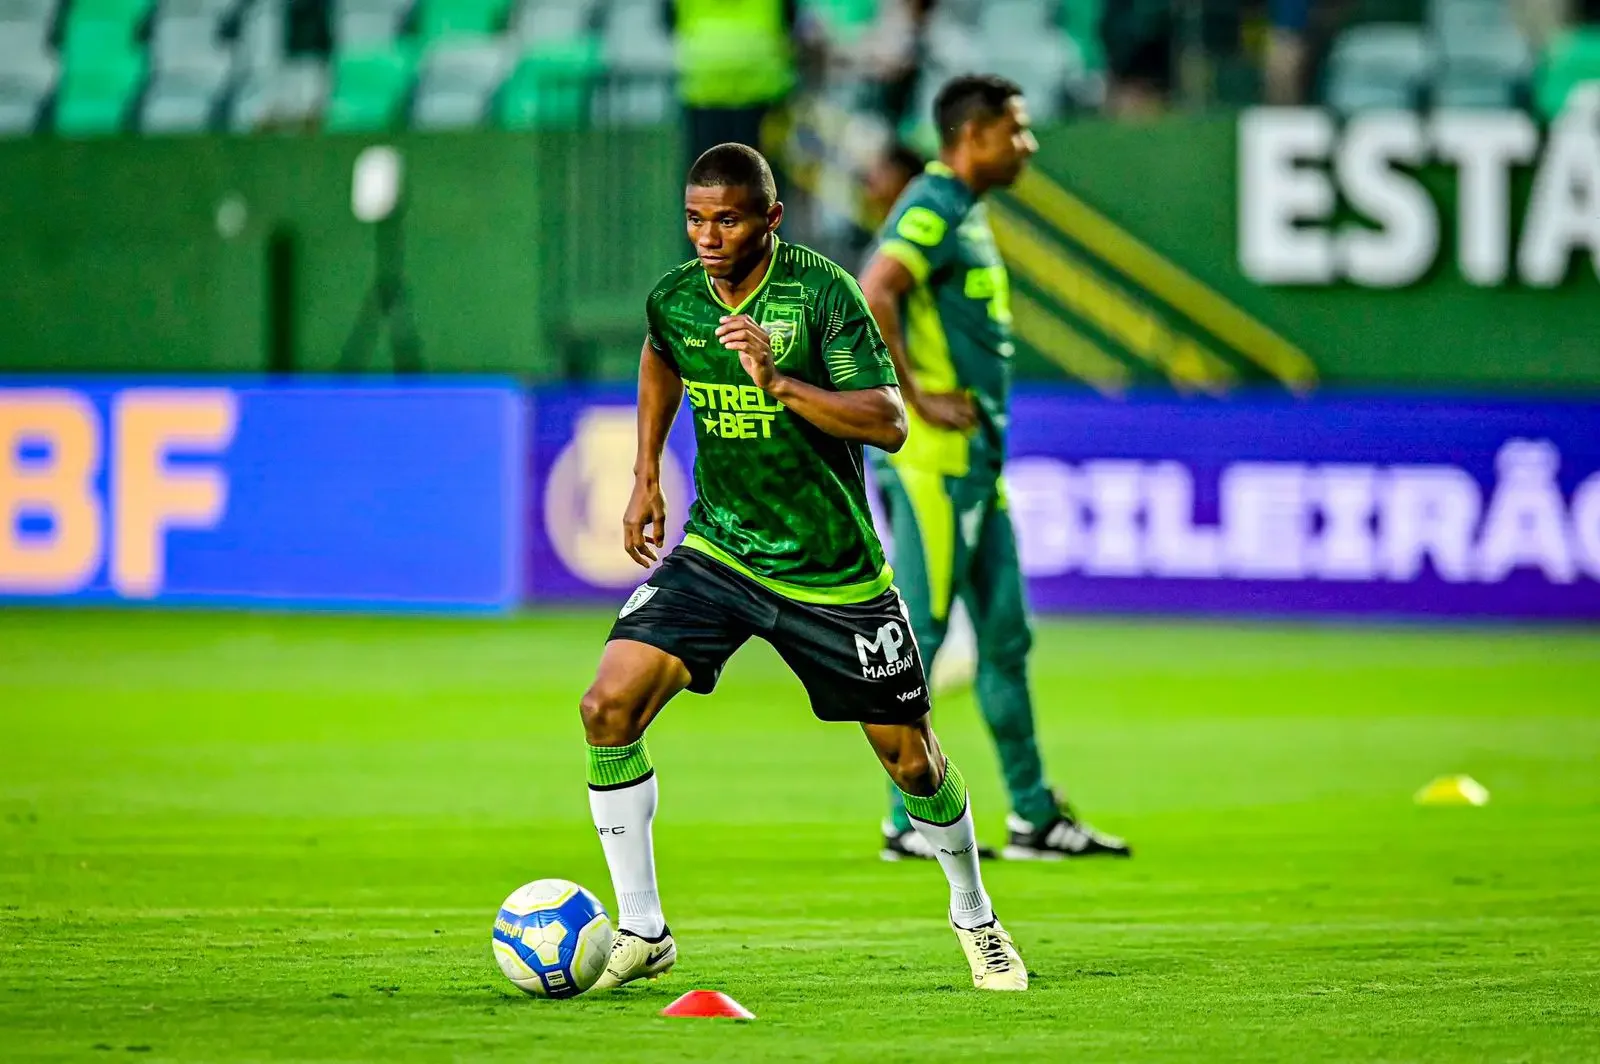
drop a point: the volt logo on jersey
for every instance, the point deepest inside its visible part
(885, 646)
(641, 594)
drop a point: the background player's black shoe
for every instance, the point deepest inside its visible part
(1065, 836)
(907, 845)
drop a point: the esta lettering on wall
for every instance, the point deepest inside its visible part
(1298, 166)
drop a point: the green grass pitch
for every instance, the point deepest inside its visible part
(284, 838)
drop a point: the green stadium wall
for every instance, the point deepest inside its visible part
(1174, 187)
(530, 253)
(522, 254)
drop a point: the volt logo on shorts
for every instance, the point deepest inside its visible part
(885, 645)
(641, 594)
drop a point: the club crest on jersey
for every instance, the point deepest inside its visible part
(641, 594)
(782, 325)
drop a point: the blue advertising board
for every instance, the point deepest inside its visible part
(1364, 506)
(1406, 507)
(221, 491)
(580, 467)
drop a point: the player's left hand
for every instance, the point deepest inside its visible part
(740, 333)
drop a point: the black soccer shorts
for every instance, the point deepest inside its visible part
(857, 662)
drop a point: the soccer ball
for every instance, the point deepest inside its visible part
(552, 938)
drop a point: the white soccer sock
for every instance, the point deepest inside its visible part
(956, 847)
(622, 816)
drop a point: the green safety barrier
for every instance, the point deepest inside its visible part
(530, 252)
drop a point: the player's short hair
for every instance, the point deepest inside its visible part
(735, 166)
(980, 96)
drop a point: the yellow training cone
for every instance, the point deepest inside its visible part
(1454, 790)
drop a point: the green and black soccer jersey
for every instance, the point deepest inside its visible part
(957, 318)
(778, 499)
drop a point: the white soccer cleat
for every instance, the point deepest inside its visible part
(633, 957)
(995, 962)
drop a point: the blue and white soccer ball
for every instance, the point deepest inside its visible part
(552, 938)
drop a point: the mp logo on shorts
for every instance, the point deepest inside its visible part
(886, 647)
(641, 594)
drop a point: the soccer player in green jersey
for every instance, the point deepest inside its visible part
(941, 297)
(787, 379)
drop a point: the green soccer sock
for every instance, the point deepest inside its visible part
(946, 804)
(618, 766)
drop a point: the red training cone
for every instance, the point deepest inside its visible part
(709, 1003)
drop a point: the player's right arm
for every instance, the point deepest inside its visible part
(644, 525)
(917, 242)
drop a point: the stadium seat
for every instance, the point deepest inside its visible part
(22, 38)
(552, 20)
(26, 79)
(36, 11)
(96, 97)
(464, 64)
(127, 10)
(89, 40)
(1379, 66)
(1572, 61)
(366, 29)
(1447, 17)
(175, 38)
(437, 109)
(96, 24)
(370, 89)
(1013, 20)
(185, 92)
(23, 53)
(1483, 58)
(636, 43)
(367, 25)
(19, 115)
(635, 101)
(1466, 89)
(261, 35)
(551, 87)
(451, 18)
(215, 10)
(293, 94)
(458, 78)
(174, 106)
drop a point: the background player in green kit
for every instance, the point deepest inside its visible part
(788, 378)
(941, 296)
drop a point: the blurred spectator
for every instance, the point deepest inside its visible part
(1139, 46)
(1541, 20)
(309, 30)
(735, 65)
(893, 53)
(1156, 49)
(1284, 75)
